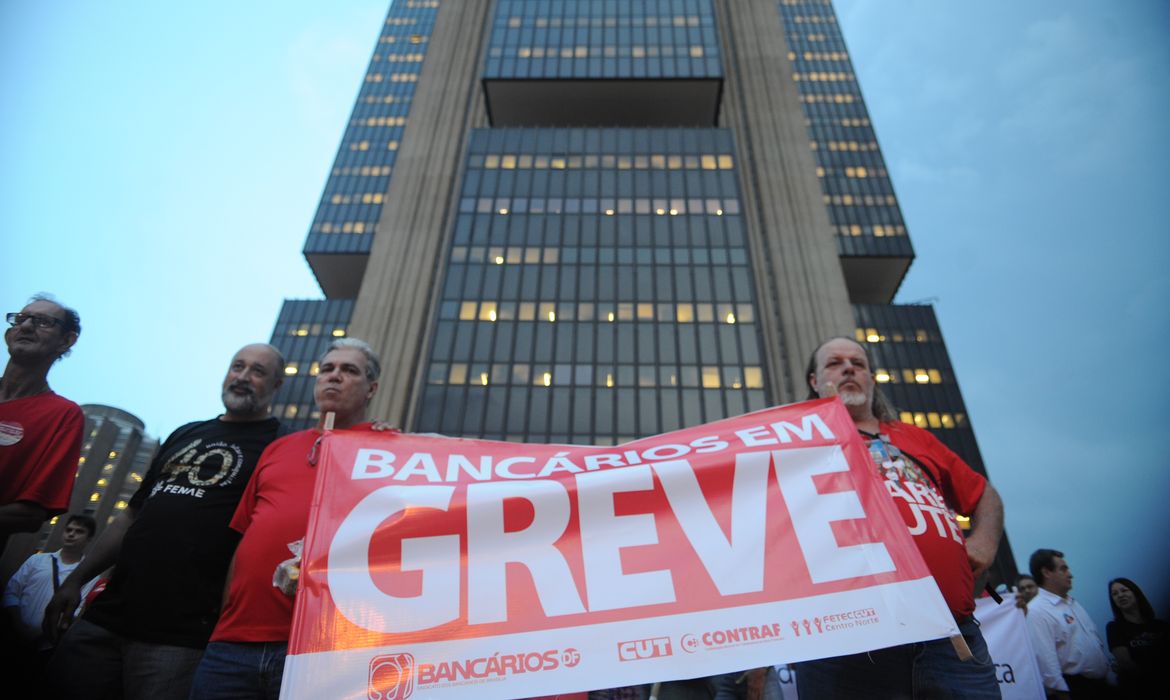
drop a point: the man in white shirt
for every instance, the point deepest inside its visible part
(1071, 656)
(33, 584)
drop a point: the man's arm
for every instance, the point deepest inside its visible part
(227, 583)
(102, 554)
(986, 530)
(21, 516)
(13, 593)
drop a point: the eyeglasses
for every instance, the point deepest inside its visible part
(43, 322)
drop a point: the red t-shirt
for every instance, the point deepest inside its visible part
(40, 443)
(273, 513)
(929, 514)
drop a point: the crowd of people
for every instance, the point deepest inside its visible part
(188, 606)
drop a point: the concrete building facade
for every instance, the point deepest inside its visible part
(586, 221)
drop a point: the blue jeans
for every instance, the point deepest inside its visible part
(240, 671)
(92, 662)
(913, 671)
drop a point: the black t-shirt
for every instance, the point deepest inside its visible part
(168, 581)
(1148, 645)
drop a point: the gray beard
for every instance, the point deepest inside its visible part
(853, 398)
(236, 403)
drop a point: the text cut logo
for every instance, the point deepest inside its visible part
(644, 649)
(391, 677)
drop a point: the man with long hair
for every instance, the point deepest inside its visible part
(929, 484)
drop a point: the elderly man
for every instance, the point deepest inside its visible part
(923, 477)
(1073, 662)
(144, 635)
(246, 655)
(40, 432)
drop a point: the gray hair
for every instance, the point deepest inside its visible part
(72, 318)
(373, 364)
(72, 323)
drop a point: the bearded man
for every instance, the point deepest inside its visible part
(144, 635)
(928, 483)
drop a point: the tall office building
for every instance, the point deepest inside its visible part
(587, 221)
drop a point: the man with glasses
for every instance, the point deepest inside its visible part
(40, 432)
(170, 548)
(929, 484)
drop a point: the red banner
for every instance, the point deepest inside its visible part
(442, 567)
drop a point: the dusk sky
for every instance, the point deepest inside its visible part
(162, 163)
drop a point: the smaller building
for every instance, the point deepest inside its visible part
(115, 454)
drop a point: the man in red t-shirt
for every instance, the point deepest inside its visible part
(246, 655)
(930, 484)
(40, 432)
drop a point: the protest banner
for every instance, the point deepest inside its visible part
(1005, 629)
(440, 568)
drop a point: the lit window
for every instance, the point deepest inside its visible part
(458, 373)
(467, 311)
(710, 377)
(921, 376)
(753, 377)
(685, 313)
(290, 369)
(882, 376)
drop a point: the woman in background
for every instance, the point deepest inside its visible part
(1139, 642)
